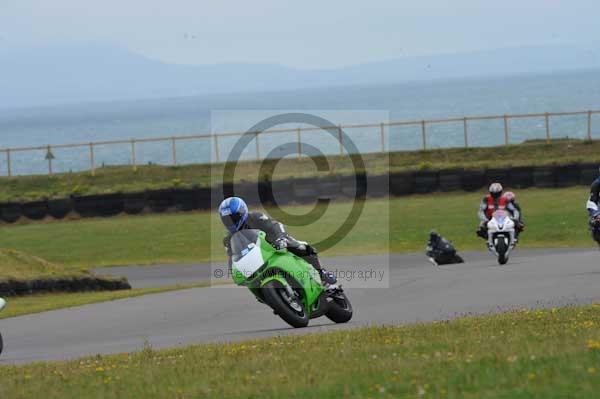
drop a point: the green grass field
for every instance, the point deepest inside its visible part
(552, 353)
(124, 179)
(554, 217)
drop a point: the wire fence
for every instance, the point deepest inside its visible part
(468, 131)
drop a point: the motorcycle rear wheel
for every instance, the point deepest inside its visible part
(340, 309)
(276, 296)
(1, 344)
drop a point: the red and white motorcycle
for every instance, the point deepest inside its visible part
(501, 235)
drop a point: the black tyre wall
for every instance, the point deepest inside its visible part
(35, 210)
(159, 201)
(588, 173)
(426, 182)
(377, 186)
(305, 190)
(567, 176)
(501, 175)
(402, 183)
(98, 205)
(473, 180)
(204, 198)
(10, 212)
(450, 180)
(544, 177)
(59, 208)
(134, 203)
(521, 177)
(185, 200)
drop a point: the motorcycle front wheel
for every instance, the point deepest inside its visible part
(291, 310)
(502, 248)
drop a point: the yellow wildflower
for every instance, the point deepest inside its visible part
(592, 344)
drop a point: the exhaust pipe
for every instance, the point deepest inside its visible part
(2, 303)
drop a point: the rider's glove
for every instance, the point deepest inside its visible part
(227, 244)
(280, 243)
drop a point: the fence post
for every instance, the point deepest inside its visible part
(423, 135)
(174, 151)
(49, 157)
(299, 138)
(92, 162)
(505, 129)
(547, 121)
(8, 163)
(257, 147)
(466, 132)
(133, 161)
(341, 140)
(382, 133)
(216, 147)
(589, 115)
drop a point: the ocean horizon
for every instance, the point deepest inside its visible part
(125, 120)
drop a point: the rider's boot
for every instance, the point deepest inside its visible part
(481, 232)
(329, 280)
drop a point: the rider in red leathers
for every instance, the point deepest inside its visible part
(494, 201)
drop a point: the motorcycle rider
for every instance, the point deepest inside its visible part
(512, 199)
(494, 201)
(593, 208)
(235, 217)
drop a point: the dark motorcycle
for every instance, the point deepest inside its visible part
(441, 251)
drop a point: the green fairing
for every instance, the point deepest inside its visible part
(293, 267)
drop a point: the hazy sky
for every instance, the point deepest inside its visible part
(303, 34)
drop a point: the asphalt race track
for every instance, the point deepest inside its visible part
(410, 290)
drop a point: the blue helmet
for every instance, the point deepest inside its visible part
(234, 213)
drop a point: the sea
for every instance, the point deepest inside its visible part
(225, 113)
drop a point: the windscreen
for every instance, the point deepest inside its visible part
(242, 242)
(500, 215)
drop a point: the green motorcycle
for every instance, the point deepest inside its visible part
(284, 281)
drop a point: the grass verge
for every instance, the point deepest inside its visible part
(22, 266)
(24, 274)
(124, 179)
(18, 306)
(552, 353)
(555, 218)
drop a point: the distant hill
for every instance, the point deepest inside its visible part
(65, 74)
